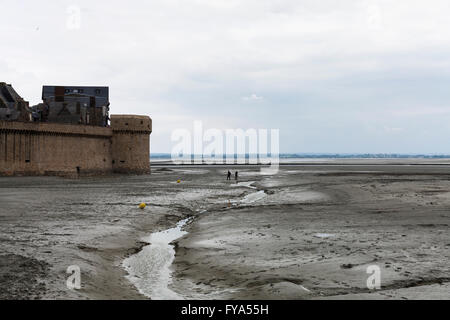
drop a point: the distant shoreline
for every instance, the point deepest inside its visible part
(319, 162)
(300, 156)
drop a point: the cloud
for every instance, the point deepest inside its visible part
(337, 64)
(252, 97)
(422, 111)
(393, 130)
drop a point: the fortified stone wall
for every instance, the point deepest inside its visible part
(65, 149)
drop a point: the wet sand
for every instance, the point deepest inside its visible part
(49, 224)
(308, 232)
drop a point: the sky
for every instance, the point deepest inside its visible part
(334, 76)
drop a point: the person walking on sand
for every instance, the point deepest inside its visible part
(236, 175)
(229, 175)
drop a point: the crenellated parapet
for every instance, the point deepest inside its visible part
(43, 128)
(131, 123)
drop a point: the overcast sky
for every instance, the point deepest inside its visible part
(332, 75)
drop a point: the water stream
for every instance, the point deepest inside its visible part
(149, 269)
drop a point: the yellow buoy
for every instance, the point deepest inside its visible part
(142, 205)
(178, 181)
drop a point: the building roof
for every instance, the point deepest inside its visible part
(101, 94)
(8, 96)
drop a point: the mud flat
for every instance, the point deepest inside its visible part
(317, 230)
(308, 232)
(48, 224)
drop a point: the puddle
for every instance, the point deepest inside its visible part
(253, 197)
(247, 184)
(324, 235)
(149, 270)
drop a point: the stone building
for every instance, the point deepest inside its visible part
(59, 145)
(12, 106)
(73, 104)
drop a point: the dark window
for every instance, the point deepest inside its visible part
(67, 90)
(97, 91)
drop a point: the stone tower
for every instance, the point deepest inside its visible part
(130, 147)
